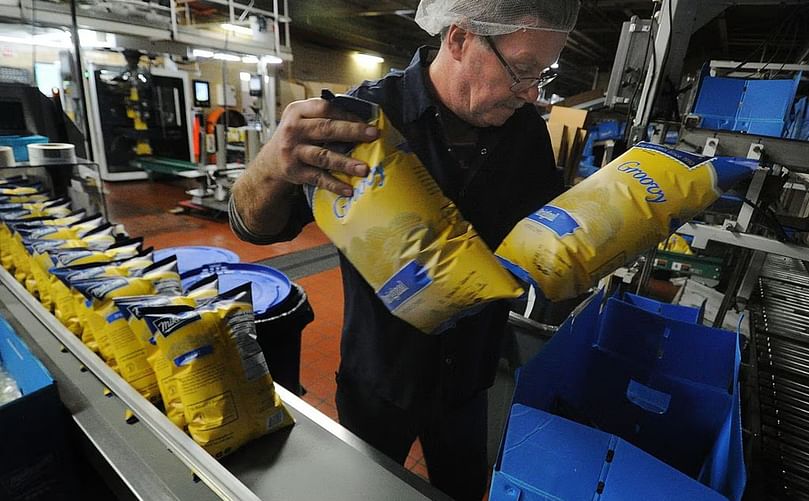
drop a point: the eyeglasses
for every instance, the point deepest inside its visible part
(522, 84)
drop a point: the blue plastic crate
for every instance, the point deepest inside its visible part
(750, 106)
(547, 457)
(674, 311)
(19, 144)
(668, 387)
(34, 427)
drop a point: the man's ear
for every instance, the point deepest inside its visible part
(457, 39)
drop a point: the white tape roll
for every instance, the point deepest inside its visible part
(51, 153)
(6, 156)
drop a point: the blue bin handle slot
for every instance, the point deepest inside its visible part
(647, 398)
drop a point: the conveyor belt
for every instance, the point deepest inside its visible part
(316, 459)
(781, 330)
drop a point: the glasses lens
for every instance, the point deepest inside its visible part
(524, 85)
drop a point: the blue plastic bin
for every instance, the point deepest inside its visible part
(19, 145)
(673, 311)
(667, 387)
(36, 462)
(547, 457)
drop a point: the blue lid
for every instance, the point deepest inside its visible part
(270, 287)
(193, 256)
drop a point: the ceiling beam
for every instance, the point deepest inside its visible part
(723, 34)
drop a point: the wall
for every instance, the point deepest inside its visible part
(316, 67)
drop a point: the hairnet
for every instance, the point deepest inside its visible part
(498, 17)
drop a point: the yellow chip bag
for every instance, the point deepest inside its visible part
(131, 308)
(226, 389)
(121, 250)
(28, 198)
(675, 243)
(65, 298)
(11, 240)
(408, 241)
(109, 328)
(625, 208)
(38, 281)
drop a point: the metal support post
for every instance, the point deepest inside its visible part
(173, 6)
(676, 22)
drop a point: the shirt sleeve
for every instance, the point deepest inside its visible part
(299, 216)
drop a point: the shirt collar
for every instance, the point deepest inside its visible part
(416, 86)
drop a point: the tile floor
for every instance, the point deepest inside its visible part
(143, 207)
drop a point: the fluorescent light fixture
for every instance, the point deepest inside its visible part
(202, 53)
(235, 28)
(56, 44)
(555, 65)
(271, 60)
(249, 59)
(244, 76)
(226, 57)
(368, 59)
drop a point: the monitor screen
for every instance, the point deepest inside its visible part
(255, 85)
(202, 94)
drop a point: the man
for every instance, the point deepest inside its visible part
(467, 112)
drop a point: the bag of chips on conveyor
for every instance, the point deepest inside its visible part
(105, 323)
(69, 304)
(11, 240)
(123, 249)
(622, 210)
(28, 197)
(29, 210)
(145, 349)
(225, 386)
(22, 212)
(408, 241)
(39, 280)
(9, 189)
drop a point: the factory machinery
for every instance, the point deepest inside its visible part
(781, 344)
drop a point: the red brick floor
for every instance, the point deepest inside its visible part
(143, 207)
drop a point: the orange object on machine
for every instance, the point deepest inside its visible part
(196, 136)
(229, 116)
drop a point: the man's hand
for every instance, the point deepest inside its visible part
(295, 155)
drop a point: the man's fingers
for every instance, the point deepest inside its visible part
(320, 108)
(326, 159)
(333, 130)
(322, 179)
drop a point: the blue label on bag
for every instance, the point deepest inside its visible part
(555, 219)
(112, 317)
(405, 284)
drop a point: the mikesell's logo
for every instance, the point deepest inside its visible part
(167, 325)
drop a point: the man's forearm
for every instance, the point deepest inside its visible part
(262, 204)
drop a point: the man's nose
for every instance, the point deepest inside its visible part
(529, 95)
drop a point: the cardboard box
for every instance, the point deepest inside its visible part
(35, 462)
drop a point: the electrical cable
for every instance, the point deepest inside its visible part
(772, 220)
(773, 34)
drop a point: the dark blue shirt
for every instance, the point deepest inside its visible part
(510, 174)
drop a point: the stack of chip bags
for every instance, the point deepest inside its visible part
(142, 347)
(226, 390)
